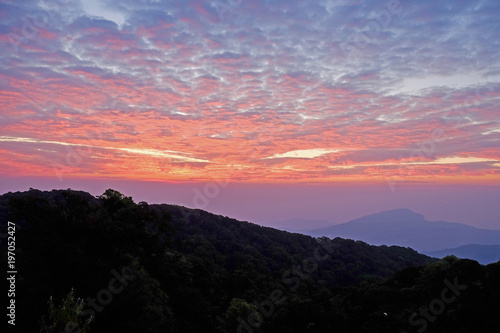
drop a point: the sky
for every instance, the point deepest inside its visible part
(257, 109)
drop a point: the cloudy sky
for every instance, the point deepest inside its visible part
(251, 92)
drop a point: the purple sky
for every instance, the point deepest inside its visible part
(269, 203)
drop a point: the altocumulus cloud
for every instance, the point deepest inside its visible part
(267, 83)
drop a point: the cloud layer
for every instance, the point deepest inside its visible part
(253, 91)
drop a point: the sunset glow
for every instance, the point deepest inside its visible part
(256, 91)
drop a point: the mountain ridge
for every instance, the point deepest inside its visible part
(403, 227)
(187, 271)
(193, 267)
(483, 254)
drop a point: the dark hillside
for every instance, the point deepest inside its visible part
(108, 264)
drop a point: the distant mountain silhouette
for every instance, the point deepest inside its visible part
(483, 254)
(404, 227)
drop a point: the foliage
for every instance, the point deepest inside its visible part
(66, 315)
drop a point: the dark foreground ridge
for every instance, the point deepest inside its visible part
(107, 264)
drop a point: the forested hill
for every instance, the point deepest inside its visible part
(107, 264)
(229, 245)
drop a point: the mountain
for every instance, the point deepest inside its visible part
(403, 227)
(190, 270)
(484, 254)
(107, 264)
